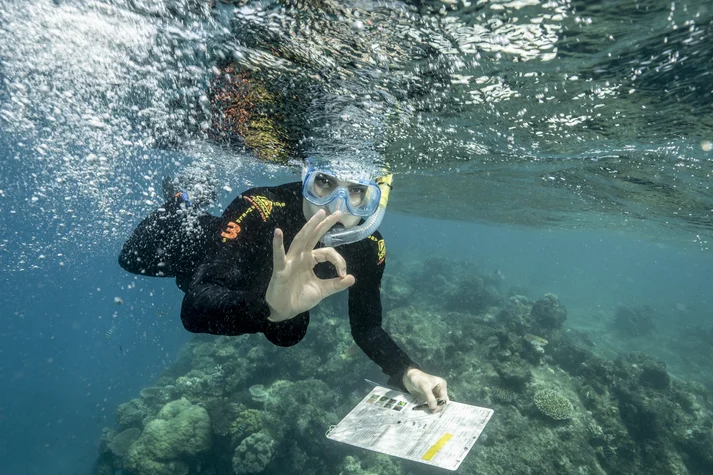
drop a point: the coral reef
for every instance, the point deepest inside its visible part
(548, 314)
(121, 442)
(553, 405)
(246, 423)
(503, 395)
(258, 393)
(395, 291)
(376, 465)
(132, 413)
(179, 430)
(239, 405)
(253, 454)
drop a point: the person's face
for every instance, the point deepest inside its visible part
(325, 185)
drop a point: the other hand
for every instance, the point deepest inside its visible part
(429, 387)
(294, 288)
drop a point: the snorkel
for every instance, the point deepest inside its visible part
(338, 237)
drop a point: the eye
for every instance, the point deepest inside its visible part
(357, 190)
(323, 181)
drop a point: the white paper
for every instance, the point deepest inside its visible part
(385, 421)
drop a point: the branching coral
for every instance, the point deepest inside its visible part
(503, 395)
(553, 405)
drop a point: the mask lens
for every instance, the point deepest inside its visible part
(363, 199)
(320, 188)
(357, 194)
(324, 185)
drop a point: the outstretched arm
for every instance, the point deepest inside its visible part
(168, 242)
(365, 317)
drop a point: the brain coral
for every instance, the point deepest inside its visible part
(179, 430)
(254, 453)
(553, 404)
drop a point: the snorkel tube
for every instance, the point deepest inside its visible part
(342, 236)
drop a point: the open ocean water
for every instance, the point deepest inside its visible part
(551, 159)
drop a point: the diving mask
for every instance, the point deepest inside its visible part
(323, 188)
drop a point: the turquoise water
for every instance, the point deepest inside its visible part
(542, 147)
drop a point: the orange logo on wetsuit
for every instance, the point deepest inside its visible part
(259, 203)
(232, 231)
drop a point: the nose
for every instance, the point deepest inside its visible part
(339, 204)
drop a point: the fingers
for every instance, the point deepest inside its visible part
(433, 388)
(322, 228)
(278, 251)
(344, 281)
(332, 286)
(431, 400)
(435, 393)
(299, 244)
(312, 232)
(329, 254)
(441, 391)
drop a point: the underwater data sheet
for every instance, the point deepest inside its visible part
(394, 423)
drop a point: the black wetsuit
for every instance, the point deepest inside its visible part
(224, 265)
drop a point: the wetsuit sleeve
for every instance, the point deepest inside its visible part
(365, 317)
(169, 242)
(227, 293)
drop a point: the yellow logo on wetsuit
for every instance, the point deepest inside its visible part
(381, 249)
(263, 205)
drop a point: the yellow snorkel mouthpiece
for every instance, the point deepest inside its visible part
(384, 183)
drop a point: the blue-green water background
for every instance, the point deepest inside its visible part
(60, 373)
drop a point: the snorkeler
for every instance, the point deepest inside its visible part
(275, 254)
